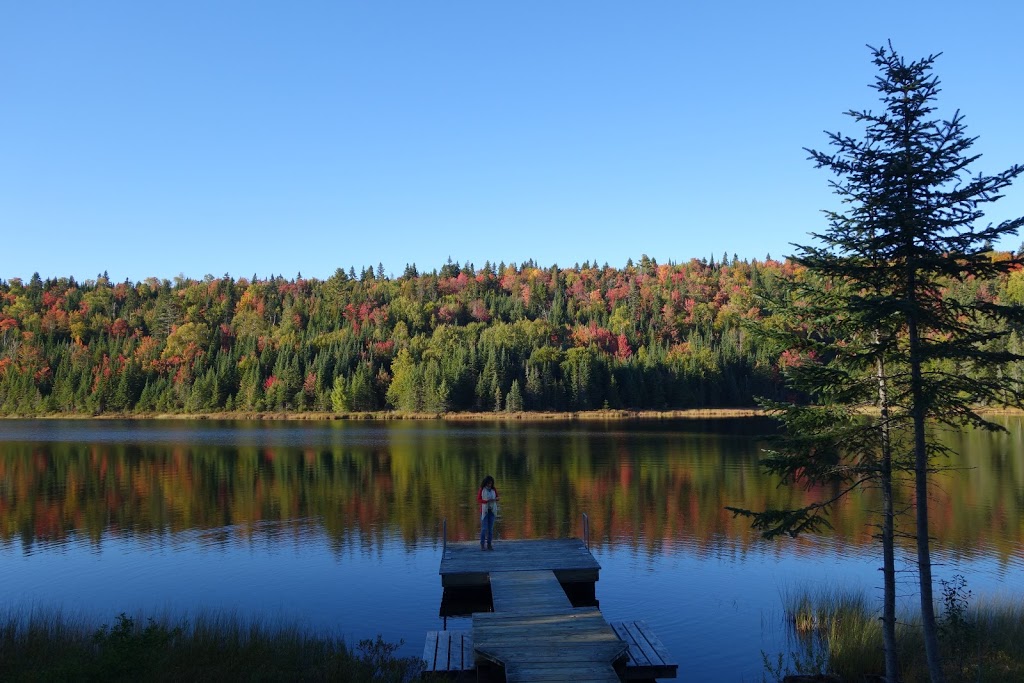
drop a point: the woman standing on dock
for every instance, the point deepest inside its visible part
(488, 499)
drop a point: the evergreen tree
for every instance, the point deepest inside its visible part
(911, 225)
(514, 400)
(339, 396)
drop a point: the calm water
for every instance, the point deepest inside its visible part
(337, 526)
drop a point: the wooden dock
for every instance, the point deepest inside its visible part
(534, 634)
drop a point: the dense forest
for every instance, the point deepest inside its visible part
(503, 337)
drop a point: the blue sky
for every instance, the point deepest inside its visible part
(194, 137)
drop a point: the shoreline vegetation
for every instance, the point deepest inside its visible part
(836, 635)
(388, 415)
(49, 645)
(833, 635)
(610, 415)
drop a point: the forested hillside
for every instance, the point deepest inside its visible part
(501, 337)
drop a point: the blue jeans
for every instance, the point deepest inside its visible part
(486, 529)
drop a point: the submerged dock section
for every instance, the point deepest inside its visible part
(536, 618)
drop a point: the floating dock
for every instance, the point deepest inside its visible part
(530, 630)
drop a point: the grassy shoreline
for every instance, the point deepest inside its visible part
(837, 632)
(37, 646)
(311, 416)
(601, 415)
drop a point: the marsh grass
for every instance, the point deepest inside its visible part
(45, 646)
(838, 632)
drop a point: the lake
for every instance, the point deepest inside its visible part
(338, 525)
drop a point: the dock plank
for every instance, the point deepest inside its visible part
(430, 651)
(468, 653)
(577, 672)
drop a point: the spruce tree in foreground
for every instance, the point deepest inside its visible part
(875, 322)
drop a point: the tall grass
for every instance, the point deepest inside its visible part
(47, 645)
(838, 632)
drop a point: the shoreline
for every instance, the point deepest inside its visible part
(601, 415)
(381, 415)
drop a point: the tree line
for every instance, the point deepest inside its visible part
(504, 337)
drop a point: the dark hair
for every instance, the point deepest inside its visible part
(487, 480)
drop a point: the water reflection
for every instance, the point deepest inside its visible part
(650, 486)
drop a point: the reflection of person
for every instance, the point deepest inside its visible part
(488, 499)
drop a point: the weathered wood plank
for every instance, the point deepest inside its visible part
(430, 651)
(655, 642)
(468, 656)
(523, 654)
(444, 649)
(637, 658)
(642, 642)
(575, 631)
(578, 672)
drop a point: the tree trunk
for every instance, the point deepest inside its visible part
(924, 562)
(892, 668)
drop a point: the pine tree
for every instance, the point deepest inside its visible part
(514, 399)
(910, 226)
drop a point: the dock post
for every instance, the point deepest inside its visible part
(444, 535)
(586, 530)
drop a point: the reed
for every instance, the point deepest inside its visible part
(49, 645)
(838, 632)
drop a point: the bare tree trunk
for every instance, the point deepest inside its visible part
(892, 667)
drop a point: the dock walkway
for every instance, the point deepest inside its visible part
(527, 592)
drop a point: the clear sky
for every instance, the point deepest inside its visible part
(197, 137)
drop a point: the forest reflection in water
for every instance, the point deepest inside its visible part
(362, 503)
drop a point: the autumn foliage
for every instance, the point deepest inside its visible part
(646, 336)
